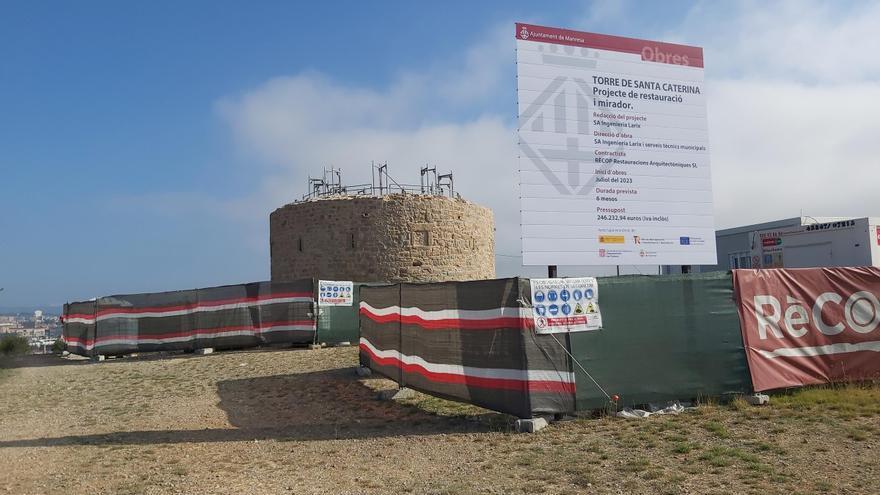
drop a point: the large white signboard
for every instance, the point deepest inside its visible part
(614, 160)
(565, 304)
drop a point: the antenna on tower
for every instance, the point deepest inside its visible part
(445, 180)
(381, 183)
(429, 186)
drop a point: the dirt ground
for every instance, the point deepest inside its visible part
(300, 421)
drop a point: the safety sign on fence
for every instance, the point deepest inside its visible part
(565, 304)
(335, 293)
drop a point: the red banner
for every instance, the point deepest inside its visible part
(809, 326)
(651, 51)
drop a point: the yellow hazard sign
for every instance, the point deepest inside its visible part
(591, 308)
(578, 310)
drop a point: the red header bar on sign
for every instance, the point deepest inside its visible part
(651, 51)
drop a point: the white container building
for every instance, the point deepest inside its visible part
(799, 242)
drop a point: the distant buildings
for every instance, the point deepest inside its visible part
(799, 242)
(34, 326)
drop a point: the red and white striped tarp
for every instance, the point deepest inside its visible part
(467, 341)
(233, 316)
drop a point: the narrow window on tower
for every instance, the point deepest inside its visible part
(300, 244)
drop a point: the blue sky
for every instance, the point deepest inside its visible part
(142, 146)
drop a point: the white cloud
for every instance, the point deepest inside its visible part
(486, 64)
(813, 41)
(792, 107)
(302, 123)
(779, 148)
(287, 122)
(793, 103)
(604, 13)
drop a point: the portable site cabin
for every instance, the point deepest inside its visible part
(799, 242)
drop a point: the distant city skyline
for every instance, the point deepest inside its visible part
(16, 310)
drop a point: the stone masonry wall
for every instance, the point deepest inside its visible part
(394, 238)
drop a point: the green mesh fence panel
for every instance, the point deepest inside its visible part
(340, 323)
(664, 338)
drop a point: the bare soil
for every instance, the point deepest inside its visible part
(301, 421)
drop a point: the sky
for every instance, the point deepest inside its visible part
(143, 145)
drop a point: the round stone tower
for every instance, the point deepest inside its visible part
(392, 238)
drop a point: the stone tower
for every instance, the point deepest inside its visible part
(391, 238)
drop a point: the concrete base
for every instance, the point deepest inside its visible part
(757, 399)
(342, 344)
(132, 355)
(206, 350)
(315, 346)
(99, 358)
(65, 353)
(530, 425)
(363, 371)
(396, 393)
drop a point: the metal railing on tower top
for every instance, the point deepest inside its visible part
(330, 184)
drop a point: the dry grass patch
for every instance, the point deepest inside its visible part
(847, 401)
(302, 422)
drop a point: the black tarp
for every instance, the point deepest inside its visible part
(231, 316)
(466, 341)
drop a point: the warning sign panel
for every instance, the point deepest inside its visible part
(565, 304)
(335, 293)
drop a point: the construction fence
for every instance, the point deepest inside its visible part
(663, 338)
(227, 317)
(467, 341)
